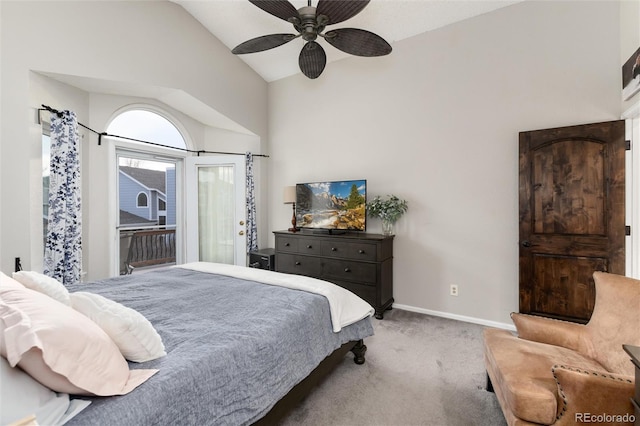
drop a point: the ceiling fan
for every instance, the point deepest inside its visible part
(310, 22)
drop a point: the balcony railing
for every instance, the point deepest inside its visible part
(148, 247)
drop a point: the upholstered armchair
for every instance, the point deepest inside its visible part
(558, 372)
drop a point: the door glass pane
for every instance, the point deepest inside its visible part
(216, 213)
(147, 233)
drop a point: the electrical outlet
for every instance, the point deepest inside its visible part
(453, 290)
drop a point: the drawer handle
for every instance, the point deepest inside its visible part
(309, 246)
(287, 244)
(361, 251)
(347, 270)
(297, 263)
(334, 249)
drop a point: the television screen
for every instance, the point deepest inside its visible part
(332, 205)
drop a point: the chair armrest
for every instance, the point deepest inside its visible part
(555, 332)
(584, 395)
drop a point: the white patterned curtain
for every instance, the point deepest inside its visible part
(252, 228)
(63, 248)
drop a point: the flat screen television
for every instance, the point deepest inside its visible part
(339, 205)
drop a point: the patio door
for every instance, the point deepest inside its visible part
(215, 209)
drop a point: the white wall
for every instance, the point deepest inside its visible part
(151, 44)
(629, 39)
(436, 123)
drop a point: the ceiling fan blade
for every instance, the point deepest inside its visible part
(312, 59)
(279, 8)
(338, 11)
(358, 42)
(262, 43)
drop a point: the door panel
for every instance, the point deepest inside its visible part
(216, 230)
(564, 286)
(571, 216)
(569, 177)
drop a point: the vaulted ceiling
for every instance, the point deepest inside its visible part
(235, 21)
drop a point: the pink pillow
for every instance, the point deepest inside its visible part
(59, 347)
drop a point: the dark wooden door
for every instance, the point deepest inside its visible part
(572, 216)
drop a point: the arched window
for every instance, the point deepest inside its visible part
(147, 183)
(143, 200)
(147, 126)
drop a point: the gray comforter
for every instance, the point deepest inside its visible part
(234, 347)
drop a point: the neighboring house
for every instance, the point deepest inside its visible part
(143, 199)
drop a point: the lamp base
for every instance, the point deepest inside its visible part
(293, 220)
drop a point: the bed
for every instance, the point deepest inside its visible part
(238, 351)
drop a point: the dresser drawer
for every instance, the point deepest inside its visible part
(345, 270)
(365, 292)
(349, 250)
(309, 246)
(287, 244)
(301, 265)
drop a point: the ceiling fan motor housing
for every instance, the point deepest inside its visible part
(309, 26)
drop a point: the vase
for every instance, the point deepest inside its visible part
(387, 227)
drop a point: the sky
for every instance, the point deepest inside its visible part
(146, 126)
(340, 188)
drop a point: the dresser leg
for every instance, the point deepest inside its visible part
(380, 312)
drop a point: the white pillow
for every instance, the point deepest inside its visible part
(23, 396)
(44, 284)
(134, 335)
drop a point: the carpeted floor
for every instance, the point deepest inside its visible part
(419, 370)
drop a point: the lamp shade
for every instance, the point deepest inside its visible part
(289, 195)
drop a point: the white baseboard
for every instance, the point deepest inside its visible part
(464, 318)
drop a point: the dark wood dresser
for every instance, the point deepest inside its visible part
(359, 262)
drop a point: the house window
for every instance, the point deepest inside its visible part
(143, 200)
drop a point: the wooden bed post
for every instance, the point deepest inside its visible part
(358, 351)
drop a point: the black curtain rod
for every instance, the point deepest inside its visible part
(100, 135)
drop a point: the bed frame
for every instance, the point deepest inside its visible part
(300, 391)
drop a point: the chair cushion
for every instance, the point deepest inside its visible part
(614, 321)
(521, 369)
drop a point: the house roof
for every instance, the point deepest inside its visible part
(153, 179)
(127, 218)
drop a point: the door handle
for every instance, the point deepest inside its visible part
(241, 222)
(241, 233)
(526, 243)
